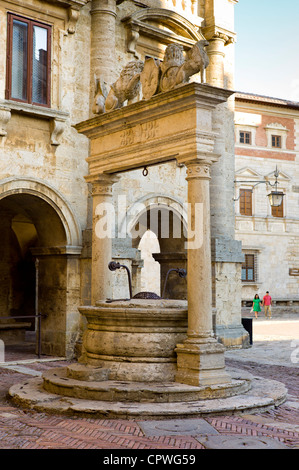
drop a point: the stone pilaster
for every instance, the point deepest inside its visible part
(102, 223)
(200, 359)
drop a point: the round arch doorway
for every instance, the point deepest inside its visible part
(32, 229)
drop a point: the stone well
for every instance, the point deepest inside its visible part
(129, 370)
(135, 340)
(130, 355)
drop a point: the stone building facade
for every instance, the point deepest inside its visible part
(54, 56)
(267, 138)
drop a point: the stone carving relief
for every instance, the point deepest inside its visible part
(5, 116)
(127, 86)
(100, 96)
(146, 79)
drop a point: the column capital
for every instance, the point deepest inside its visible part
(103, 7)
(198, 170)
(102, 184)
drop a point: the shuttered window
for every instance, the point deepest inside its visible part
(248, 268)
(277, 211)
(28, 61)
(276, 141)
(245, 201)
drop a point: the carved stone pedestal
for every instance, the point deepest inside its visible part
(201, 363)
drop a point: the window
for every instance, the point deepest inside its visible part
(248, 269)
(245, 137)
(276, 141)
(277, 211)
(245, 201)
(28, 61)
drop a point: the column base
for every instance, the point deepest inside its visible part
(201, 362)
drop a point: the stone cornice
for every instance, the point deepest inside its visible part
(77, 4)
(216, 32)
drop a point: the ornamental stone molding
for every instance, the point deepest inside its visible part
(197, 170)
(275, 128)
(73, 11)
(214, 32)
(175, 125)
(57, 118)
(142, 23)
(5, 115)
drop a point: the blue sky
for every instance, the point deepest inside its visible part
(267, 48)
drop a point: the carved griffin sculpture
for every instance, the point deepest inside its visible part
(127, 86)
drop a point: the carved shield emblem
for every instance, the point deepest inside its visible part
(149, 78)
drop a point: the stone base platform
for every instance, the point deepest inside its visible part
(129, 400)
(59, 382)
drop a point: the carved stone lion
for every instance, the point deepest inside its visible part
(154, 77)
(196, 61)
(126, 87)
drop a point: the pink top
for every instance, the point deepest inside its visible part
(267, 299)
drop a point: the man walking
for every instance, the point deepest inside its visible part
(267, 302)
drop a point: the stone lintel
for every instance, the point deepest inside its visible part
(56, 251)
(177, 124)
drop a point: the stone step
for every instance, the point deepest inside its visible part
(263, 395)
(59, 382)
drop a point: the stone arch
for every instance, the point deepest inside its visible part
(40, 260)
(151, 202)
(172, 242)
(164, 25)
(45, 192)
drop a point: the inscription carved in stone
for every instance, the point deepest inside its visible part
(140, 133)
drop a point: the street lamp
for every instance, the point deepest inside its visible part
(275, 197)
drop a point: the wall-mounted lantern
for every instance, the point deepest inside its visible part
(275, 197)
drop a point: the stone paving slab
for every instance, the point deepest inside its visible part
(177, 427)
(282, 352)
(240, 442)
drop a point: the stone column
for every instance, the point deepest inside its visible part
(102, 224)
(200, 359)
(102, 62)
(215, 50)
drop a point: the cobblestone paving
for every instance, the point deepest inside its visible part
(22, 429)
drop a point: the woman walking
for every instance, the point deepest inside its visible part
(256, 304)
